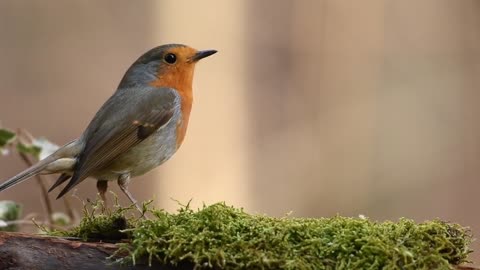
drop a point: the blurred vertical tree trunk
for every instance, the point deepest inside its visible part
(369, 105)
(320, 97)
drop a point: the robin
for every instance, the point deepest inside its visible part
(138, 128)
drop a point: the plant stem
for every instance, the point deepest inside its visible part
(25, 135)
(68, 209)
(43, 189)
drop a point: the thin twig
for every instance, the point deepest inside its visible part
(43, 189)
(69, 210)
(30, 222)
(24, 135)
(66, 202)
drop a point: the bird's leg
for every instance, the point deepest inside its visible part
(102, 186)
(123, 181)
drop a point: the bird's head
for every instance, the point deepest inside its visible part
(169, 65)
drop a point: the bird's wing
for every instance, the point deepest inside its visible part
(130, 116)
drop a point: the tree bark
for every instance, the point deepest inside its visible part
(26, 251)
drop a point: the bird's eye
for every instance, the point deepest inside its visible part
(170, 58)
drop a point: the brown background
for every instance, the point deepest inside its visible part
(316, 107)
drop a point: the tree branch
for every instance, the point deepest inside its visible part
(24, 251)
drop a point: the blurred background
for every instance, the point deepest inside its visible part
(316, 107)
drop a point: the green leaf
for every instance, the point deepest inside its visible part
(6, 136)
(29, 149)
(61, 219)
(9, 211)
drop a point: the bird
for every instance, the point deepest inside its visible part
(138, 128)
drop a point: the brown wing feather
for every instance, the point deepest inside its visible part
(109, 136)
(124, 141)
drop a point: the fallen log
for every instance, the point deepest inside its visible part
(26, 251)
(223, 237)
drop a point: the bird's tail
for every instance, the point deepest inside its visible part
(34, 170)
(61, 161)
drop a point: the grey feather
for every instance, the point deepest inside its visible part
(115, 128)
(70, 150)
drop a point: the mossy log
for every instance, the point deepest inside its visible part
(223, 237)
(27, 251)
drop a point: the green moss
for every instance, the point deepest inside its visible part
(223, 237)
(99, 223)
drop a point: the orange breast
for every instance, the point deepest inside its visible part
(186, 108)
(180, 79)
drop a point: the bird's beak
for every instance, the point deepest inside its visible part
(202, 54)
